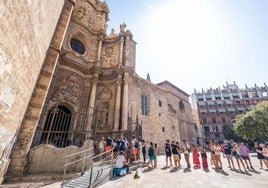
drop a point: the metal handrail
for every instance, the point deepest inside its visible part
(104, 153)
(90, 157)
(67, 163)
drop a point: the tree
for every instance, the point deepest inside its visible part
(253, 125)
(229, 133)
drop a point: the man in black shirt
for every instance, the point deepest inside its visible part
(175, 153)
(168, 152)
(227, 150)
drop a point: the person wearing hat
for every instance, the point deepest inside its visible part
(121, 162)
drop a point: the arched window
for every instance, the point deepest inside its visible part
(181, 107)
(143, 104)
(77, 46)
(57, 127)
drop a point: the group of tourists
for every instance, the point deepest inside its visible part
(135, 151)
(123, 151)
(238, 151)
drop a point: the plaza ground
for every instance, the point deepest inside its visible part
(170, 177)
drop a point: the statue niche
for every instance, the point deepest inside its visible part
(103, 108)
(103, 115)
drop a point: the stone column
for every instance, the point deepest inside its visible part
(91, 105)
(29, 123)
(117, 103)
(121, 51)
(125, 103)
(99, 50)
(93, 93)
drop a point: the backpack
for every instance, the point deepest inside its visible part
(122, 144)
(151, 151)
(136, 145)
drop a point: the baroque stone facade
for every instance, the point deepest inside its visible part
(87, 88)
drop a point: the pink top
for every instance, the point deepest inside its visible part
(243, 150)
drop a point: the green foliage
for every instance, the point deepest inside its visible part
(229, 133)
(253, 125)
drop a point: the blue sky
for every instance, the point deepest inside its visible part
(197, 43)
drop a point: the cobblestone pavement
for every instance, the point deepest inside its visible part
(170, 177)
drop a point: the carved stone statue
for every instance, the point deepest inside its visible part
(123, 27)
(112, 34)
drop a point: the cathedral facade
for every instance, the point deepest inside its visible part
(88, 88)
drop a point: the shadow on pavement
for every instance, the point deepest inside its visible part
(254, 171)
(148, 169)
(165, 168)
(220, 171)
(175, 169)
(186, 170)
(206, 170)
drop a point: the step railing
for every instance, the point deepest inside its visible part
(87, 169)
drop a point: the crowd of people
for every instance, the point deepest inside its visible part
(134, 151)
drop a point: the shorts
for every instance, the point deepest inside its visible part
(212, 155)
(175, 157)
(107, 148)
(245, 157)
(237, 156)
(134, 151)
(168, 154)
(228, 156)
(266, 158)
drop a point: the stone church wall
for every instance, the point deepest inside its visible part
(160, 123)
(24, 38)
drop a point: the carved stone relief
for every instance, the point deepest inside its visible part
(105, 94)
(130, 54)
(89, 17)
(110, 56)
(103, 115)
(68, 91)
